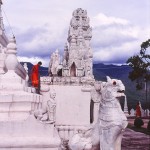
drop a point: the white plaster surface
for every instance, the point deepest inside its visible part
(2, 64)
(73, 105)
(18, 105)
(28, 134)
(18, 102)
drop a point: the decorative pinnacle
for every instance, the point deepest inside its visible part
(12, 47)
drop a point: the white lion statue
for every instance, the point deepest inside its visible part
(112, 120)
(107, 132)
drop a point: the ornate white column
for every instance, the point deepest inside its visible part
(96, 98)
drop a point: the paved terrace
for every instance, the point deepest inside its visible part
(135, 140)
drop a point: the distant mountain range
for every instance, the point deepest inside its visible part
(100, 72)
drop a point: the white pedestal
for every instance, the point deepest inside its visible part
(29, 134)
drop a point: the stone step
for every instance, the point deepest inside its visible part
(29, 133)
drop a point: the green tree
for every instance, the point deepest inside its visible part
(140, 66)
(141, 69)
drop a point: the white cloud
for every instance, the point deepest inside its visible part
(116, 39)
(34, 60)
(113, 41)
(41, 26)
(116, 53)
(103, 20)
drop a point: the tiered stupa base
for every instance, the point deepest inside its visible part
(19, 128)
(28, 135)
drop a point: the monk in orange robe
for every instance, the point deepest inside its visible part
(35, 75)
(138, 110)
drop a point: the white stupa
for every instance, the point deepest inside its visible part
(20, 126)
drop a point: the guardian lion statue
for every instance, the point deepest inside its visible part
(107, 132)
(112, 120)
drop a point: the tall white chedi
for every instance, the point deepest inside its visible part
(18, 104)
(77, 60)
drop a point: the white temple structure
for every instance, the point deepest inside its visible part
(26, 118)
(74, 85)
(77, 65)
(70, 104)
(77, 60)
(78, 55)
(20, 120)
(78, 94)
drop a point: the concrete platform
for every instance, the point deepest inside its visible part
(28, 135)
(135, 140)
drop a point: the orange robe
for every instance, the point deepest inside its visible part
(138, 111)
(35, 76)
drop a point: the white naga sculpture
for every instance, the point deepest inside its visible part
(51, 105)
(111, 123)
(48, 110)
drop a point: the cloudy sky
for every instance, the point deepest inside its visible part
(41, 27)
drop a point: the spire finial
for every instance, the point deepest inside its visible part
(11, 60)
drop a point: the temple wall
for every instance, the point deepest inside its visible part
(73, 105)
